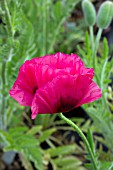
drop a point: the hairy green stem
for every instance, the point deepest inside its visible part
(82, 137)
(96, 43)
(92, 41)
(103, 72)
(102, 79)
(97, 40)
(92, 44)
(96, 47)
(91, 37)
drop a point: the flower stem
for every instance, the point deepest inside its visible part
(96, 45)
(92, 44)
(97, 40)
(91, 37)
(82, 136)
(44, 47)
(2, 122)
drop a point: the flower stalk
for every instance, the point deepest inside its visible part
(98, 39)
(44, 28)
(82, 137)
(92, 40)
(96, 45)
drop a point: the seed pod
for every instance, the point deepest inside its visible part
(105, 15)
(89, 12)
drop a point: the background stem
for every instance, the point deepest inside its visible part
(44, 51)
(91, 38)
(8, 18)
(97, 40)
(2, 123)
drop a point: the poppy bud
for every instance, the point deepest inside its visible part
(89, 12)
(105, 14)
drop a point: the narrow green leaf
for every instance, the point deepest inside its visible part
(61, 150)
(34, 130)
(34, 154)
(107, 165)
(6, 138)
(46, 134)
(90, 140)
(67, 161)
(105, 49)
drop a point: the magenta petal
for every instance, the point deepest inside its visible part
(45, 73)
(93, 92)
(25, 86)
(64, 93)
(59, 60)
(21, 93)
(87, 71)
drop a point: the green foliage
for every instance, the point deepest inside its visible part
(106, 165)
(68, 163)
(34, 154)
(22, 140)
(60, 160)
(18, 140)
(61, 150)
(46, 134)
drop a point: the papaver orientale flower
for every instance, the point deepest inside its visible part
(54, 83)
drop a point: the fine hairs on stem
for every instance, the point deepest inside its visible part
(94, 43)
(77, 129)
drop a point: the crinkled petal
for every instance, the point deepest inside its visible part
(25, 86)
(64, 93)
(21, 94)
(63, 61)
(47, 67)
(93, 92)
(87, 71)
(45, 73)
(60, 60)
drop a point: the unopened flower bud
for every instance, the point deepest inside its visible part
(89, 12)
(105, 14)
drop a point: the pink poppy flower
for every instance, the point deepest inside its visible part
(54, 83)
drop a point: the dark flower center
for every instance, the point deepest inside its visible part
(65, 104)
(35, 89)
